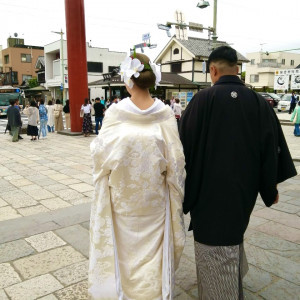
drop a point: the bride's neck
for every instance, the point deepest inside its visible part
(142, 99)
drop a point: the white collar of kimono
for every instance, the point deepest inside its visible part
(116, 113)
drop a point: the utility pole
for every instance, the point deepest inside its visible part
(204, 4)
(181, 27)
(214, 36)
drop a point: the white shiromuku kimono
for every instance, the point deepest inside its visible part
(136, 231)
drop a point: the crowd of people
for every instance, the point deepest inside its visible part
(49, 118)
(42, 119)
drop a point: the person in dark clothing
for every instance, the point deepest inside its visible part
(114, 100)
(234, 149)
(14, 120)
(99, 113)
(17, 105)
(66, 110)
(293, 103)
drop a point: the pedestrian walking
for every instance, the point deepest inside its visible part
(293, 102)
(137, 232)
(177, 110)
(58, 119)
(102, 100)
(168, 102)
(43, 119)
(17, 105)
(14, 120)
(114, 100)
(87, 128)
(234, 149)
(33, 119)
(66, 110)
(99, 114)
(50, 112)
(296, 119)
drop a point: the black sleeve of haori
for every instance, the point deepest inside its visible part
(191, 134)
(274, 154)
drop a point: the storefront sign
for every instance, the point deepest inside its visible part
(295, 82)
(281, 82)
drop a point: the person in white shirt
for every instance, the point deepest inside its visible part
(177, 110)
(87, 119)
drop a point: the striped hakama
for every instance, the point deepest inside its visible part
(220, 270)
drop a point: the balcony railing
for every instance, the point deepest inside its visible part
(269, 65)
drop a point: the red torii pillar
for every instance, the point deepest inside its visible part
(77, 63)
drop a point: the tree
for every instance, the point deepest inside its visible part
(243, 75)
(33, 82)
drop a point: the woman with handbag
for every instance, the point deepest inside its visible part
(85, 110)
(296, 119)
(58, 119)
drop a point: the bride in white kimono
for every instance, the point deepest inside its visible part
(137, 231)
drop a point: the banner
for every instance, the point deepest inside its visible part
(295, 82)
(189, 96)
(281, 82)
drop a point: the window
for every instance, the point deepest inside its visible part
(253, 61)
(269, 61)
(176, 51)
(11, 78)
(6, 59)
(26, 58)
(110, 68)
(254, 78)
(176, 68)
(95, 67)
(292, 62)
(26, 77)
(283, 61)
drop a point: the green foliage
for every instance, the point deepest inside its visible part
(33, 82)
(265, 89)
(243, 75)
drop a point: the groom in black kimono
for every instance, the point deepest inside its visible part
(234, 149)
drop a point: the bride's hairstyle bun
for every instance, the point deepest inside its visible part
(147, 77)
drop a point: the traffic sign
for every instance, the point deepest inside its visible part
(146, 36)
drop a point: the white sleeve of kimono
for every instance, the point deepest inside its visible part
(103, 283)
(175, 180)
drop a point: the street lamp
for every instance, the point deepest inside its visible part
(62, 87)
(166, 28)
(204, 4)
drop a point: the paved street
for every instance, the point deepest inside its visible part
(45, 193)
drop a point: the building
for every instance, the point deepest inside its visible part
(19, 62)
(261, 68)
(187, 59)
(99, 61)
(183, 67)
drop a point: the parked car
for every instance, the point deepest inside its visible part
(284, 103)
(280, 95)
(272, 98)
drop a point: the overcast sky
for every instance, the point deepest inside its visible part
(249, 26)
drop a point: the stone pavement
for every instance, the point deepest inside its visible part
(45, 193)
